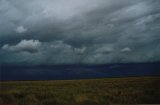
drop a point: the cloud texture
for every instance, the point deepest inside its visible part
(79, 31)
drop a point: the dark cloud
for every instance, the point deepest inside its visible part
(76, 31)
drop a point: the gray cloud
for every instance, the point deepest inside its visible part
(76, 31)
(80, 50)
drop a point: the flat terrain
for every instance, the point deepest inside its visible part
(131, 90)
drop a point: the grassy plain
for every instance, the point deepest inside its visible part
(131, 90)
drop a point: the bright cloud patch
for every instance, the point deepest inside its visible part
(24, 45)
(21, 29)
(126, 49)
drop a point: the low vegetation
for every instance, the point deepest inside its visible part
(131, 90)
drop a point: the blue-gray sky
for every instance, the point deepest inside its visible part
(79, 31)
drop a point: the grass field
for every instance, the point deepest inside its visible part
(131, 90)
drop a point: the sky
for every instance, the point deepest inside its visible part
(57, 32)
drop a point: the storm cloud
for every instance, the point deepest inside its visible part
(78, 31)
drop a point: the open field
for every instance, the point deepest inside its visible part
(131, 90)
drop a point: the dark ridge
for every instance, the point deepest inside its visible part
(77, 71)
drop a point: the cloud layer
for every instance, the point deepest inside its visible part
(76, 31)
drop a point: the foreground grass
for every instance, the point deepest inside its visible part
(133, 90)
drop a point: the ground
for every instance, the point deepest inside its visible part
(130, 90)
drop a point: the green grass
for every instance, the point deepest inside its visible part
(131, 90)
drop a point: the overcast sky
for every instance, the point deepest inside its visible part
(79, 31)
